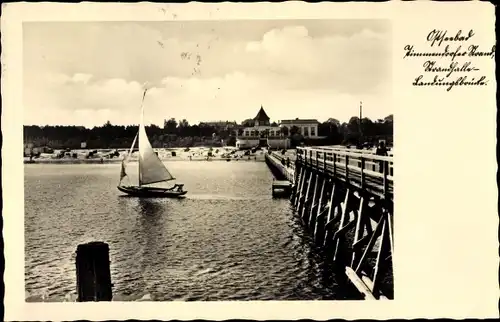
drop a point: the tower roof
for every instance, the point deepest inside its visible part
(261, 116)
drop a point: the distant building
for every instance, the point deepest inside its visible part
(307, 127)
(262, 133)
(220, 124)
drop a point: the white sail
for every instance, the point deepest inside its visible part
(151, 169)
(132, 147)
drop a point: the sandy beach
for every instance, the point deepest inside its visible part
(165, 154)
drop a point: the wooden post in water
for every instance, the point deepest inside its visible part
(93, 276)
(344, 220)
(300, 187)
(302, 210)
(323, 209)
(296, 182)
(316, 207)
(310, 199)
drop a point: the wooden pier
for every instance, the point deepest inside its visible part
(345, 200)
(279, 167)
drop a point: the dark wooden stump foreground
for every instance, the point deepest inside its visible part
(93, 276)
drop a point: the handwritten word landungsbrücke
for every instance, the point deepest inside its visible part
(444, 81)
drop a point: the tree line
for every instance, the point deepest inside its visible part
(180, 133)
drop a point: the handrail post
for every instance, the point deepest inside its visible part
(386, 181)
(324, 162)
(346, 168)
(317, 162)
(334, 164)
(362, 173)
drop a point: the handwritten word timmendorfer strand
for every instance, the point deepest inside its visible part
(471, 51)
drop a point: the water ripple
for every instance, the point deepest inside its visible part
(228, 240)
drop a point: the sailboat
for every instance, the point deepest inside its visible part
(151, 169)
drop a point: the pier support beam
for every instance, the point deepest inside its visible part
(315, 210)
(296, 183)
(309, 200)
(300, 193)
(304, 192)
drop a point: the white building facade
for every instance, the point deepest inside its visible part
(308, 128)
(264, 134)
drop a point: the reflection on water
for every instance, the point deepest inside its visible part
(227, 240)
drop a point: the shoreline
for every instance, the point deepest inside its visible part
(165, 155)
(117, 161)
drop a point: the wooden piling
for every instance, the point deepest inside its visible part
(361, 222)
(303, 191)
(312, 204)
(330, 214)
(307, 201)
(300, 187)
(296, 184)
(93, 275)
(315, 210)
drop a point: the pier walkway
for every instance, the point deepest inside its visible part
(277, 164)
(345, 200)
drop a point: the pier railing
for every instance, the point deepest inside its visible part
(360, 151)
(366, 171)
(280, 163)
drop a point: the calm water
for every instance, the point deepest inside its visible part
(228, 240)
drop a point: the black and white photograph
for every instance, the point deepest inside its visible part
(208, 160)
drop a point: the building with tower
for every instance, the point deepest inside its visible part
(261, 132)
(262, 119)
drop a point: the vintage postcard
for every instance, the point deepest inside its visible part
(251, 161)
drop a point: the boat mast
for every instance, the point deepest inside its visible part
(139, 158)
(138, 139)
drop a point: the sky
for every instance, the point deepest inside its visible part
(86, 73)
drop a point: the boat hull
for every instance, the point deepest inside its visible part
(150, 192)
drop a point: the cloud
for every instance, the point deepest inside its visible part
(83, 78)
(292, 71)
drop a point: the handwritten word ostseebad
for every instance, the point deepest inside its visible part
(438, 36)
